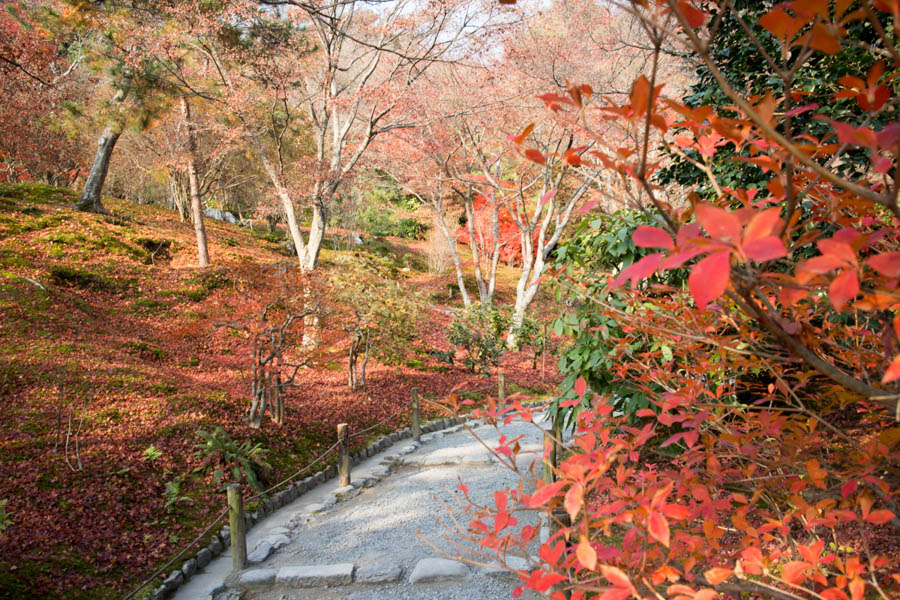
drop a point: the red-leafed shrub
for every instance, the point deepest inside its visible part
(765, 464)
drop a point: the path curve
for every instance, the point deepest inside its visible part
(364, 542)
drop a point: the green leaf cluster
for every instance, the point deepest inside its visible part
(228, 458)
(479, 332)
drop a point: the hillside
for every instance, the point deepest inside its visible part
(109, 340)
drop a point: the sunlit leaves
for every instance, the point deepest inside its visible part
(709, 278)
(652, 237)
(587, 556)
(719, 223)
(843, 289)
(658, 527)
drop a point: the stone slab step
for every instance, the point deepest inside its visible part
(429, 570)
(315, 575)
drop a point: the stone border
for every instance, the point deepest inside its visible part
(221, 540)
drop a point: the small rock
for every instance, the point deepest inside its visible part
(260, 553)
(257, 577)
(316, 575)
(216, 546)
(204, 556)
(278, 531)
(437, 569)
(189, 567)
(407, 449)
(380, 573)
(175, 579)
(382, 471)
(369, 481)
(344, 490)
(216, 588)
(314, 508)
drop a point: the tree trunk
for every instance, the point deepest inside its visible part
(457, 264)
(362, 374)
(316, 235)
(351, 367)
(287, 204)
(196, 208)
(93, 187)
(177, 198)
(527, 286)
(473, 246)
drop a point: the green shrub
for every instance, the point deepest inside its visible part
(532, 335)
(379, 223)
(479, 332)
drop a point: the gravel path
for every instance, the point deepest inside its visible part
(376, 529)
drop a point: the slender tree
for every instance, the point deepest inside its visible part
(196, 206)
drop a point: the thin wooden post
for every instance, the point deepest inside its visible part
(238, 527)
(544, 352)
(416, 416)
(501, 386)
(344, 461)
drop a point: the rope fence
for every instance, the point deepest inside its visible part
(235, 508)
(163, 568)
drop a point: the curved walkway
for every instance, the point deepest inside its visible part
(365, 541)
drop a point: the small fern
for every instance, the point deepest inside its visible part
(224, 455)
(173, 495)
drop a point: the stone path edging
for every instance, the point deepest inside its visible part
(221, 540)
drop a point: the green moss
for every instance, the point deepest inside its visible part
(99, 240)
(37, 192)
(149, 303)
(155, 249)
(197, 295)
(111, 414)
(65, 348)
(11, 258)
(146, 350)
(276, 237)
(164, 388)
(82, 279)
(17, 225)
